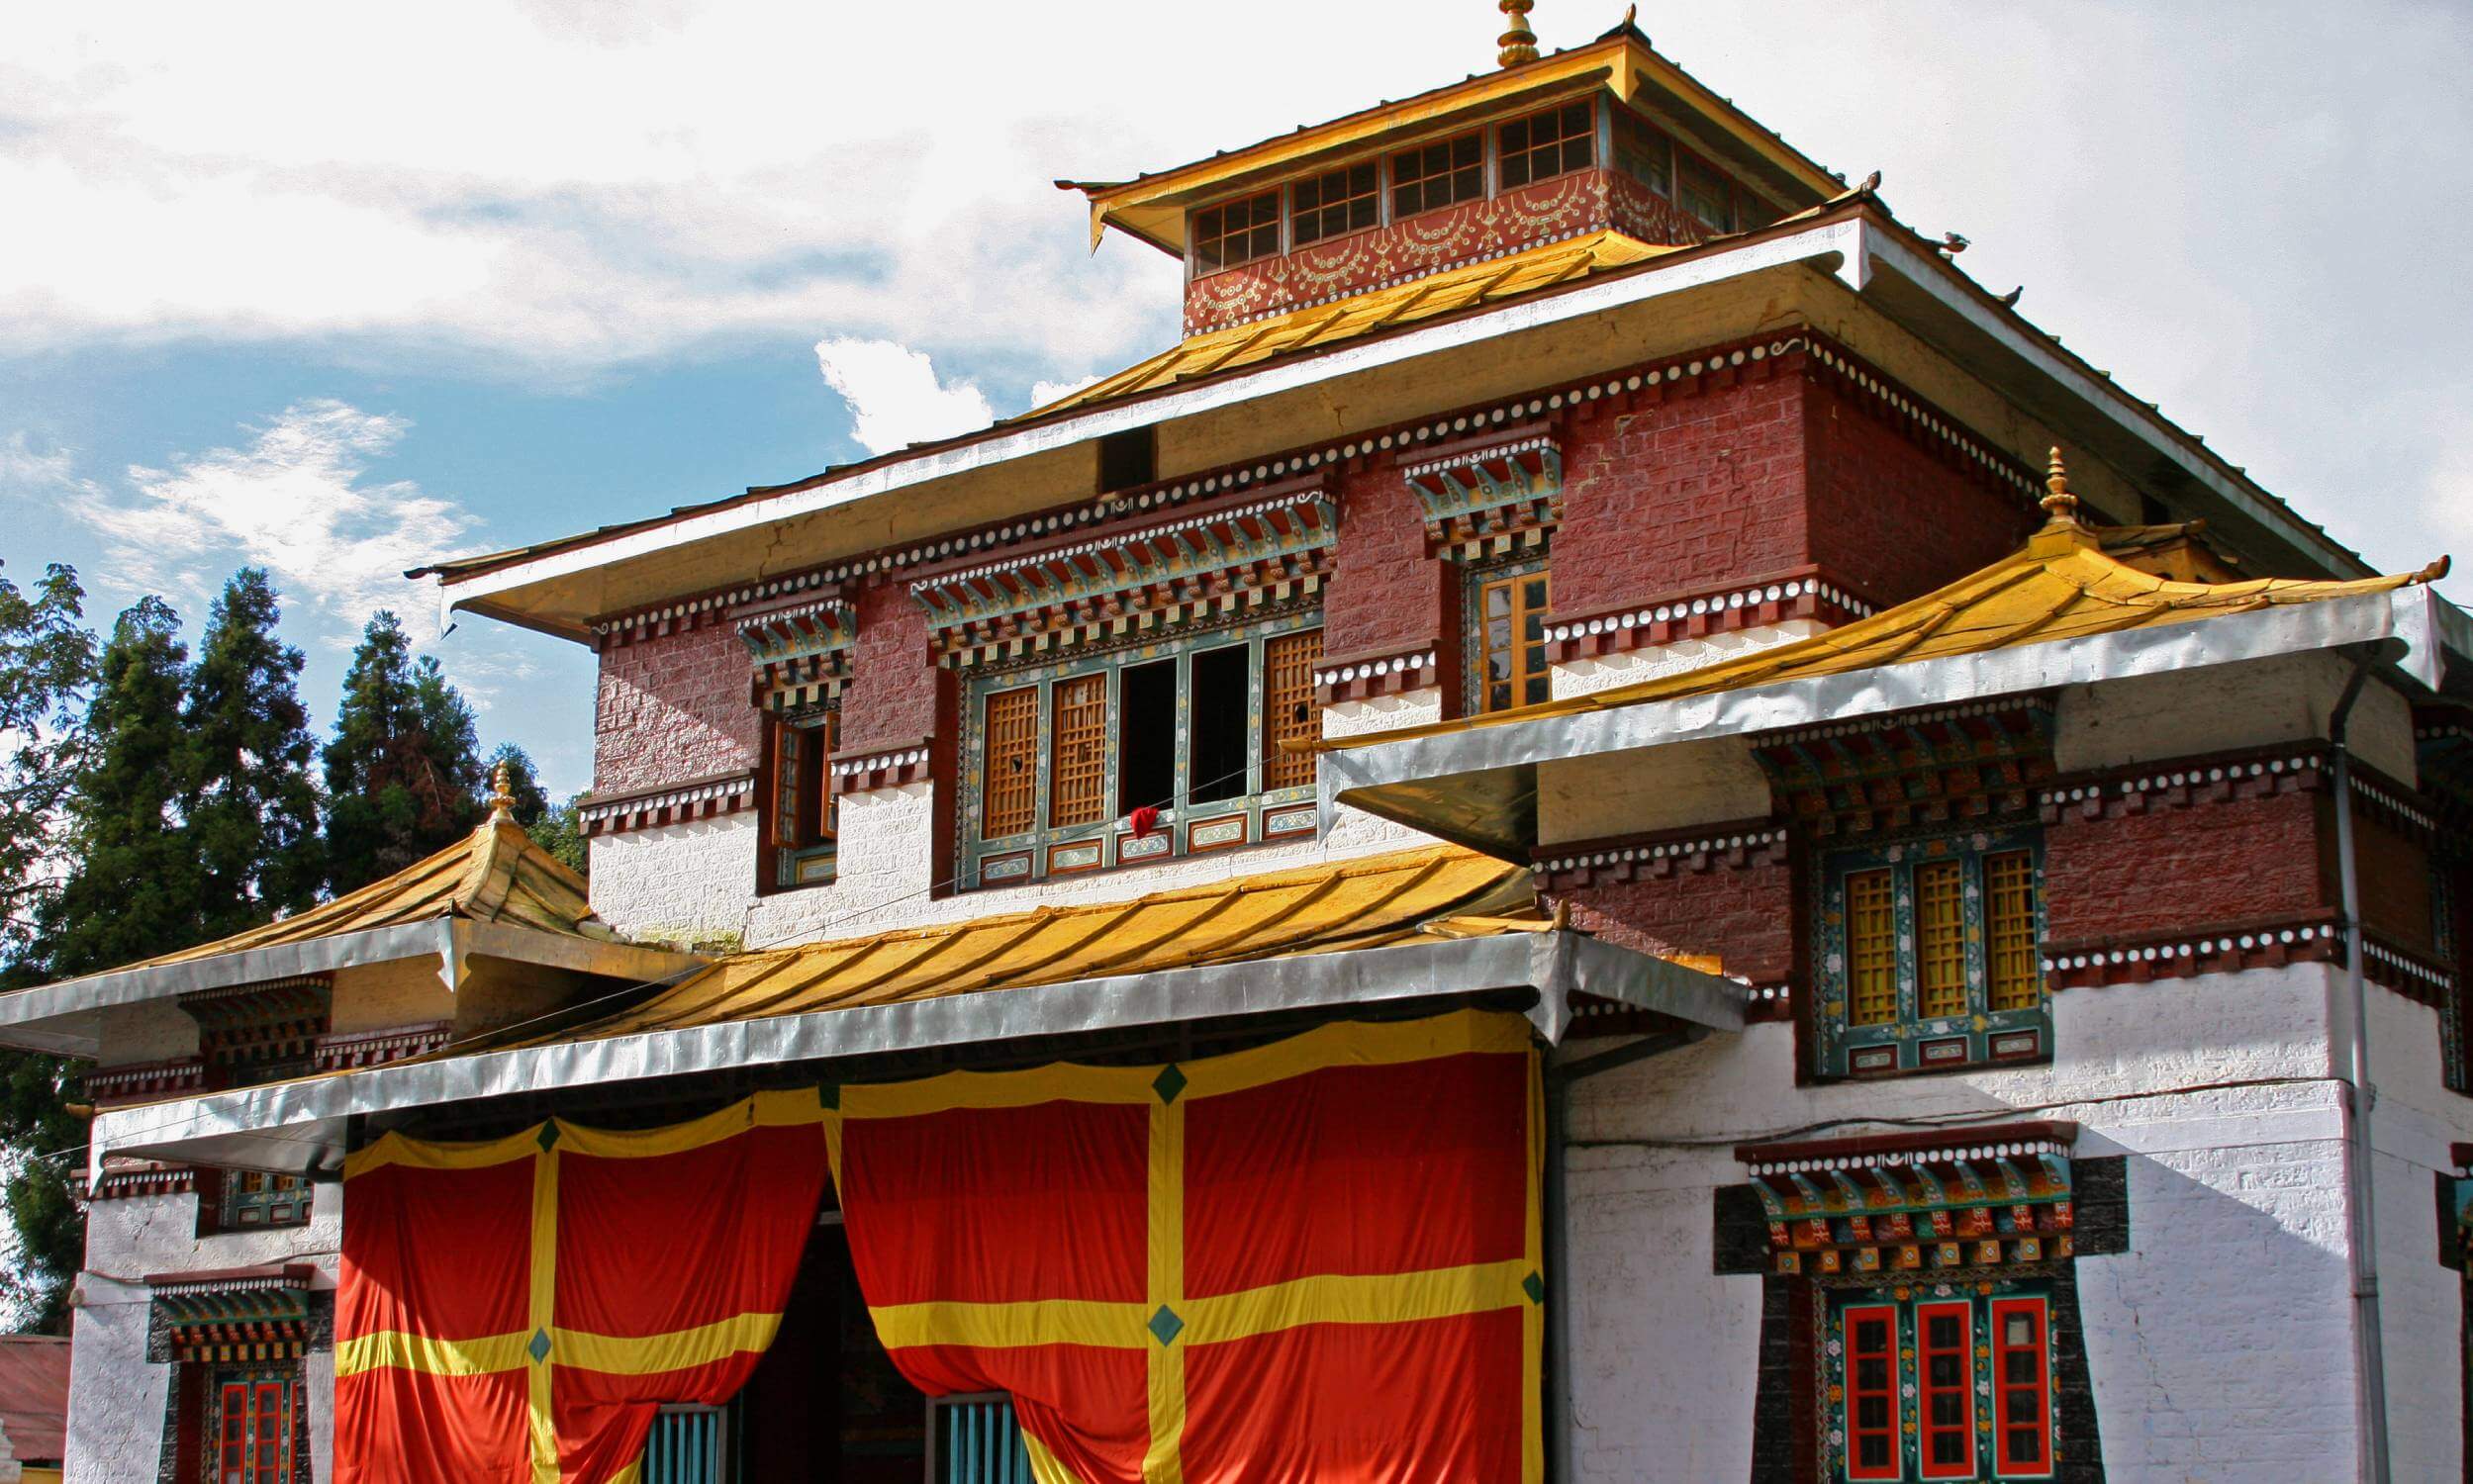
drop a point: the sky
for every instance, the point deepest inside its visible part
(338, 290)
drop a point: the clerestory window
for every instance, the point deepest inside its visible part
(1142, 752)
(1546, 144)
(1335, 203)
(1236, 232)
(1432, 176)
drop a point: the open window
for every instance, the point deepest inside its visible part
(798, 822)
(1141, 754)
(1505, 605)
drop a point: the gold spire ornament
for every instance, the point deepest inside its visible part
(502, 792)
(1518, 43)
(2057, 501)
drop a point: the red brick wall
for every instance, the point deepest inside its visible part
(1744, 915)
(1683, 494)
(898, 694)
(1890, 518)
(1385, 595)
(674, 708)
(2394, 871)
(2191, 869)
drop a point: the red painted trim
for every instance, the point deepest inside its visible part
(1926, 1391)
(1887, 1393)
(2038, 1390)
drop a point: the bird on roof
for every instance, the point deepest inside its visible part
(1952, 244)
(2011, 298)
(1870, 183)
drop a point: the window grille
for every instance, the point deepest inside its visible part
(1547, 145)
(1335, 203)
(252, 1198)
(1288, 709)
(1012, 750)
(1238, 231)
(1433, 177)
(252, 1429)
(1078, 783)
(1928, 954)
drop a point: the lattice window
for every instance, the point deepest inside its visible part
(1238, 231)
(1912, 1375)
(252, 1198)
(1548, 143)
(1939, 939)
(1288, 709)
(1872, 947)
(1078, 762)
(1012, 756)
(1930, 954)
(252, 1429)
(1335, 203)
(1433, 177)
(2008, 930)
(1507, 640)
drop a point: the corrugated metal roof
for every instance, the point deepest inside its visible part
(1435, 891)
(2069, 580)
(1323, 327)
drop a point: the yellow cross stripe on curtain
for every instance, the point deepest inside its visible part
(1168, 1320)
(616, 1354)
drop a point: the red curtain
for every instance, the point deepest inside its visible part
(1315, 1260)
(515, 1312)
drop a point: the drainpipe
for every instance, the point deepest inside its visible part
(2362, 1098)
(1558, 1230)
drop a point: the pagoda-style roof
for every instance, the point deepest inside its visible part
(1152, 207)
(1325, 327)
(2078, 605)
(494, 892)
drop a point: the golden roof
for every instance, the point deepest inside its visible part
(1476, 286)
(1432, 891)
(495, 873)
(2069, 580)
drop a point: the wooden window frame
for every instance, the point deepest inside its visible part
(1377, 190)
(1659, 141)
(278, 1200)
(1423, 183)
(1561, 145)
(2039, 1310)
(1102, 842)
(810, 856)
(1196, 234)
(1977, 1031)
(1895, 1469)
(253, 1386)
(1925, 1390)
(1686, 163)
(1475, 648)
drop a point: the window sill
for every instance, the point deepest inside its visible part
(1128, 868)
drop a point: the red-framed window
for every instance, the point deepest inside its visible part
(1945, 1391)
(1871, 1348)
(253, 1430)
(1236, 232)
(1335, 203)
(2022, 1388)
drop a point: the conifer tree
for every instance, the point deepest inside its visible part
(252, 807)
(402, 770)
(46, 665)
(132, 885)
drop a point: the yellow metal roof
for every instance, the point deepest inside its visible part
(495, 873)
(2069, 580)
(1438, 890)
(1325, 325)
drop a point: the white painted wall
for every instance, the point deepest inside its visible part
(2220, 1345)
(116, 1396)
(682, 883)
(1652, 662)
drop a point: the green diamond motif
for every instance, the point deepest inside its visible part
(830, 1094)
(539, 1348)
(547, 1136)
(1535, 1288)
(1168, 1083)
(1166, 1325)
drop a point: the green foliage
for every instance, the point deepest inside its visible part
(46, 664)
(133, 885)
(402, 770)
(560, 831)
(251, 805)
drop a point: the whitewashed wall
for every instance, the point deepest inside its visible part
(681, 884)
(116, 1403)
(2220, 1345)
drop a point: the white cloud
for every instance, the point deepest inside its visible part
(1044, 391)
(297, 499)
(894, 397)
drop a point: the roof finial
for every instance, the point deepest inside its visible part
(1518, 43)
(2057, 501)
(502, 792)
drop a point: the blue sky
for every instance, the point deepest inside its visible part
(337, 289)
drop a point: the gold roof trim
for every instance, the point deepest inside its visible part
(2069, 580)
(1373, 901)
(495, 873)
(1322, 326)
